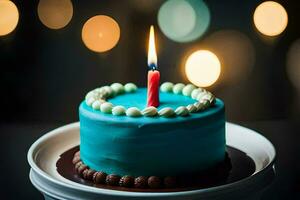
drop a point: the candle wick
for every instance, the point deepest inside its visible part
(152, 67)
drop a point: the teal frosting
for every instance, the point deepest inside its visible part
(148, 146)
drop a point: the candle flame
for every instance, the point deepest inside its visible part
(152, 57)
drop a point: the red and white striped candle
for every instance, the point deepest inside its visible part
(153, 73)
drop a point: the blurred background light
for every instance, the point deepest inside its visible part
(176, 19)
(55, 14)
(9, 17)
(183, 20)
(293, 64)
(100, 33)
(202, 68)
(270, 18)
(236, 52)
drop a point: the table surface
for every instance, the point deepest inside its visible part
(17, 138)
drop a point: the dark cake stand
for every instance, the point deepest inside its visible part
(252, 158)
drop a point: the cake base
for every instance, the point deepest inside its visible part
(45, 152)
(236, 167)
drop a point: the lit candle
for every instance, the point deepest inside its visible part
(153, 73)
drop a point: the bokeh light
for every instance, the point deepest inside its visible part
(203, 68)
(183, 20)
(293, 64)
(9, 17)
(270, 18)
(100, 33)
(55, 14)
(236, 52)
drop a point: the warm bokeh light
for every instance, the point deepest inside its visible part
(183, 20)
(203, 68)
(100, 33)
(293, 64)
(270, 18)
(9, 17)
(55, 14)
(236, 52)
(152, 57)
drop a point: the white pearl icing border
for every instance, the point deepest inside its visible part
(96, 99)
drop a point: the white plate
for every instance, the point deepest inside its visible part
(44, 153)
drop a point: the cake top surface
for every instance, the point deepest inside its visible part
(138, 99)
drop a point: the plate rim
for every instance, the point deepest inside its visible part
(34, 148)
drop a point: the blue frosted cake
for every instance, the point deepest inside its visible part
(121, 140)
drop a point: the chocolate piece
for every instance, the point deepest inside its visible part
(99, 177)
(154, 182)
(77, 165)
(126, 181)
(140, 182)
(112, 179)
(76, 159)
(170, 181)
(88, 174)
(81, 168)
(77, 154)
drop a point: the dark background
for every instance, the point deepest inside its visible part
(46, 73)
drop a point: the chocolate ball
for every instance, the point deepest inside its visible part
(141, 182)
(88, 174)
(76, 159)
(126, 181)
(99, 177)
(81, 168)
(112, 179)
(154, 182)
(77, 154)
(77, 165)
(84, 173)
(170, 181)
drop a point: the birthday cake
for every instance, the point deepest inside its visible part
(124, 142)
